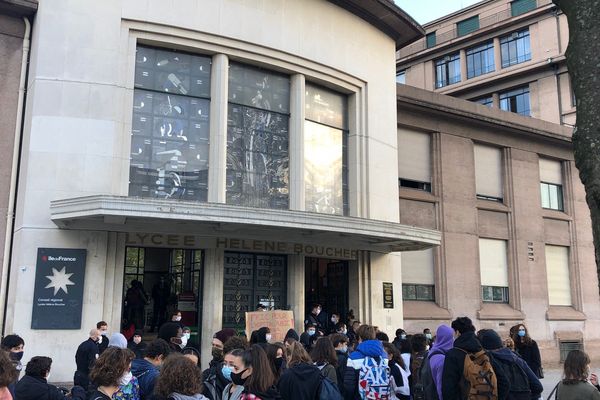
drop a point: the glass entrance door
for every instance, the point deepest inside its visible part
(327, 284)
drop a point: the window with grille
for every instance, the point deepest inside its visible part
(567, 346)
(515, 48)
(480, 60)
(447, 70)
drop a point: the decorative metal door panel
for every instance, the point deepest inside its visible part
(251, 279)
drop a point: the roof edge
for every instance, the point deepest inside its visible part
(19, 8)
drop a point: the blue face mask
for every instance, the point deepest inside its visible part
(311, 332)
(344, 349)
(522, 333)
(226, 371)
(428, 336)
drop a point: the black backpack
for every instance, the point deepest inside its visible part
(519, 382)
(426, 386)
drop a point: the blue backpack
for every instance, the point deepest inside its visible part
(328, 390)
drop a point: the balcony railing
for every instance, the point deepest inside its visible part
(451, 34)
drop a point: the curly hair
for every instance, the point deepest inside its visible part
(8, 372)
(576, 367)
(110, 366)
(235, 342)
(178, 374)
(521, 341)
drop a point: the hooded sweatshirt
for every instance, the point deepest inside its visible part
(147, 374)
(444, 341)
(177, 396)
(118, 340)
(300, 382)
(368, 348)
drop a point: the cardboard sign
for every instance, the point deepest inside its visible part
(58, 292)
(278, 321)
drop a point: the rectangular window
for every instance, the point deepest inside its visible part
(418, 275)
(170, 130)
(486, 101)
(567, 346)
(325, 151)
(430, 40)
(516, 100)
(414, 159)
(515, 48)
(257, 138)
(518, 7)
(401, 77)
(557, 273)
(480, 60)
(447, 70)
(467, 26)
(488, 173)
(551, 184)
(493, 264)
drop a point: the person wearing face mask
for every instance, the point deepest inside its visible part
(428, 336)
(212, 378)
(176, 318)
(34, 385)
(577, 383)
(172, 333)
(103, 340)
(324, 358)
(137, 345)
(340, 344)
(277, 360)
(86, 355)
(232, 364)
(333, 322)
(400, 337)
(179, 380)
(110, 371)
(528, 349)
(14, 345)
(255, 376)
(147, 369)
(315, 317)
(309, 336)
(129, 388)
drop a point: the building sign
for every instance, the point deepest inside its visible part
(278, 322)
(58, 292)
(388, 295)
(262, 246)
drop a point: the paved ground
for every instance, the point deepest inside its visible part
(551, 378)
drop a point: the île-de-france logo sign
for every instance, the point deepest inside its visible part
(58, 292)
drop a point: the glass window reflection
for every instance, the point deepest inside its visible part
(170, 127)
(325, 154)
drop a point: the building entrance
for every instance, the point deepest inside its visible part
(327, 284)
(159, 281)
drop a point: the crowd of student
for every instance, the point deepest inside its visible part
(329, 360)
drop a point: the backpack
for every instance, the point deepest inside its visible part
(328, 390)
(479, 378)
(519, 382)
(374, 379)
(426, 385)
(416, 364)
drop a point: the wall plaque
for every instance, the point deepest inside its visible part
(58, 291)
(388, 295)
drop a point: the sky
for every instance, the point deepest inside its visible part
(427, 10)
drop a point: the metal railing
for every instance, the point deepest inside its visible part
(451, 34)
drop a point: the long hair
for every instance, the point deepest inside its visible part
(262, 377)
(178, 374)
(298, 355)
(324, 352)
(394, 354)
(272, 356)
(521, 341)
(576, 367)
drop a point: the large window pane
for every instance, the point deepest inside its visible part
(516, 101)
(257, 138)
(515, 48)
(325, 149)
(170, 130)
(447, 70)
(480, 60)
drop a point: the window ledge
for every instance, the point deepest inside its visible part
(499, 311)
(428, 310)
(415, 194)
(492, 205)
(555, 214)
(564, 313)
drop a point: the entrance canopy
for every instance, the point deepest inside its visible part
(130, 214)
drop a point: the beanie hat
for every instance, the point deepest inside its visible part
(224, 334)
(490, 340)
(291, 334)
(117, 340)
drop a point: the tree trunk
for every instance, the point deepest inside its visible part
(583, 61)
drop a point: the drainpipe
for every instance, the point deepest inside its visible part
(12, 196)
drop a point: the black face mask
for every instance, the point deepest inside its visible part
(217, 354)
(16, 356)
(237, 378)
(279, 362)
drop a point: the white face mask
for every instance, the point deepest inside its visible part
(184, 340)
(187, 336)
(178, 318)
(48, 376)
(269, 337)
(125, 379)
(137, 339)
(100, 339)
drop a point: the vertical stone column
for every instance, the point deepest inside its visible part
(296, 143)
(463, 65)
(218, 129)
(296, 296)
(386, 268)
(497, 55)
(212, 300)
